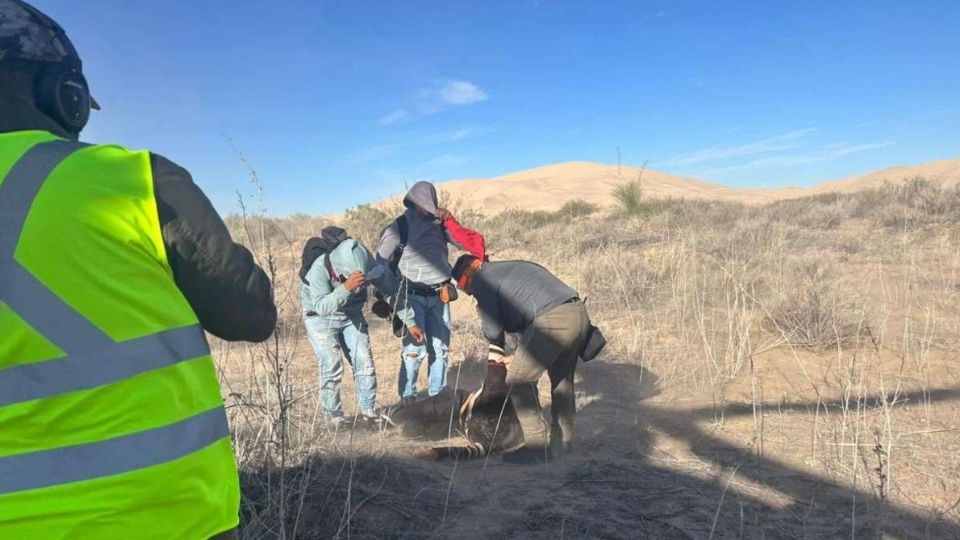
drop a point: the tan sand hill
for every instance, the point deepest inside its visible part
(945, 172)
(550, 186)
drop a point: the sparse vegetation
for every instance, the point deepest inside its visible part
(781, 370)
(629, 197)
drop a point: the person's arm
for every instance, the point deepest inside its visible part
(488, 303)
(389, 242)
(231, 295)
(447, 221)
(465, 238)
(326, 298)
(389, 287)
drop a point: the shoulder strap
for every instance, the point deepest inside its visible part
(404, 229)
(329, 265)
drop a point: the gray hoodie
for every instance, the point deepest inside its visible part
(425, 260)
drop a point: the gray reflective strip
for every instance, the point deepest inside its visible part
(46, 312)
(92, 358)
(29, 298)
(21, 186)
(114, 456)
(98, 367)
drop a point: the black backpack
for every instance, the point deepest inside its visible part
(316, 247)
(593, 342)
(403, 228)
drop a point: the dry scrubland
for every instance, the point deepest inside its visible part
(777, 371)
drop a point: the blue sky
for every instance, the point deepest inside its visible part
(339, 103)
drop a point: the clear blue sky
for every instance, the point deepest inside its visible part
(338, 103)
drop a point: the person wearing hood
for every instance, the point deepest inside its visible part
(424, 268)
(332, 295)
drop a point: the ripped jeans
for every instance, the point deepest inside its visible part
(334, 338)
(433, 317)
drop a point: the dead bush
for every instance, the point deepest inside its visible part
(818, 312)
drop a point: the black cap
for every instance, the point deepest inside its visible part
(28, 35)
(463, 262)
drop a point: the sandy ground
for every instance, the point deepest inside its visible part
(647, 463)
(678, 436)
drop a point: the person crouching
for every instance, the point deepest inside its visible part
(334, 275)
(523, 297)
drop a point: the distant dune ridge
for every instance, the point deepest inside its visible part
(945, 172)
(550, 186)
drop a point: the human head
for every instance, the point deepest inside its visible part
(40, 68)
(464, 270)
(422, 198)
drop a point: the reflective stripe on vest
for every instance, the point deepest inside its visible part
(92, 358)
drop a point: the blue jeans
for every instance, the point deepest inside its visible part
(333, 339)
(433, 317)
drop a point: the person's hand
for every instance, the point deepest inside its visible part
(443, 214)
(416, 333)
(354, 281)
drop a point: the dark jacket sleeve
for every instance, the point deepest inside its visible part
(488, 303)
(230, 294)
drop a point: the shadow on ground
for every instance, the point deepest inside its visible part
(613, 486)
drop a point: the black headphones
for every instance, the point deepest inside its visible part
(60, 90)
(62, 93)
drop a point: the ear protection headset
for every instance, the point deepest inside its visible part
(60, 90)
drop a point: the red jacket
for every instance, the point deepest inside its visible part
(471, 240)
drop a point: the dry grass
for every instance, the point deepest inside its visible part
(783, 371)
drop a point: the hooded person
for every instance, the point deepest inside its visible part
(417, 242)
(332, 295)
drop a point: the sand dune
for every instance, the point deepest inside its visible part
(945, 172)
(550, 186)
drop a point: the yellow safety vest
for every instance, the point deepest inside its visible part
(111, 419)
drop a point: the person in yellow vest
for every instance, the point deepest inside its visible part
(112, 265)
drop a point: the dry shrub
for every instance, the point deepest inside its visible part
(576, 208)
(699, 213)
(365, 223)
(617, 279)
(817, 312)
(911, 203)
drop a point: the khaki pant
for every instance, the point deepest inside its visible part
(551, 344)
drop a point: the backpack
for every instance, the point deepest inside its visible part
(316, 247)
(593, 343)
(403, 228)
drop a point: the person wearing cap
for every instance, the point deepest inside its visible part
(525, 298)
(113, 265)
(418, 240)
(332, 295)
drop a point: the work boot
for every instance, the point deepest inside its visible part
(535, 440)
(370, 421)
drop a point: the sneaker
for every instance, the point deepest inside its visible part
(372, 417)
(335, 422)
